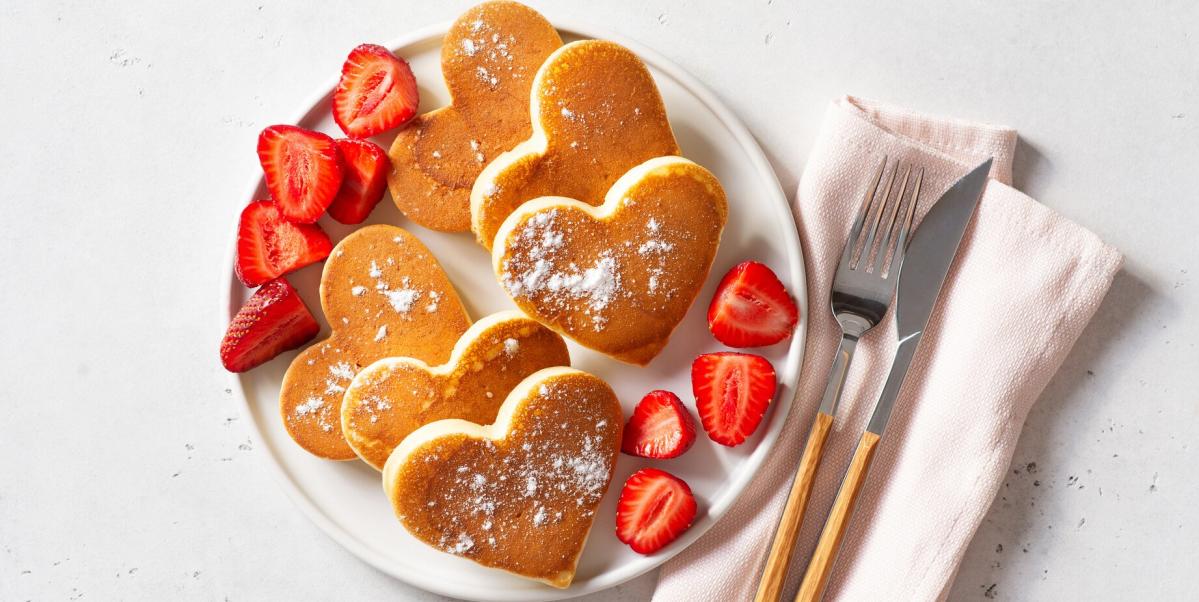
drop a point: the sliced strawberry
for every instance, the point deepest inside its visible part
(377, 92)
(269, 246)
(751, 308)
(364, 167)
(659, 428)
(303, 170)
(272, 321)
(732, 391)
(655, 507)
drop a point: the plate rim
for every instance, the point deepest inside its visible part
(780, 408)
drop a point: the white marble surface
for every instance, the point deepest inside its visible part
(125, 472)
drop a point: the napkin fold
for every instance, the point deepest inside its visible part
(1025, 282)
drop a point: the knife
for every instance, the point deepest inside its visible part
(926, 263)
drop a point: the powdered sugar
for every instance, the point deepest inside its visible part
(535, 272)
(309, 407)
(342, 370)
(315, 409)
(340, 374)
(401, 299)
(463, 544)
(654, 246)
(555, 472)
(486, 76)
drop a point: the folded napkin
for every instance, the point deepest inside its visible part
(1025, 283)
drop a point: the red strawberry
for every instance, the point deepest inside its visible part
(272, 321)
(269, 246)
(364, 167)
(377, 92)
(303, 170)
(655, 507)
(751, 308)
(732, 391)
(659, 428)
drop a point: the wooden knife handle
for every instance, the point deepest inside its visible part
(821, 566)
(774, 576)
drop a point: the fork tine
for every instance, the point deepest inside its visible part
(884, 246)
(878, 217)
(855, 231)
(901, 244)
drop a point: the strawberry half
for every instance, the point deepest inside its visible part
(732, 391)
(272, 321)
(751, 308)
(660, 427)
(377, 92)
(364, 178)
(303, 170)
(269, 246)
(655, 507)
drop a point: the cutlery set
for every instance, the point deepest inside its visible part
(870, 278)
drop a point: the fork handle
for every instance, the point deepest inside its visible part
(774, 576)
(815, 579)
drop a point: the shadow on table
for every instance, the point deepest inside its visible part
(1013, 513)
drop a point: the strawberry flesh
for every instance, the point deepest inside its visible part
(273, 320)
(302, 168)
(655, 507)
(660, 427)
(732, 391)
(377, 92)
(269, 246)
(364, 179)
(751, 308)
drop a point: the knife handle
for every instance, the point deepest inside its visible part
(774, 576)
(815, 579)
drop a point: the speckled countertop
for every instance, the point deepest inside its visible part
(125, 472)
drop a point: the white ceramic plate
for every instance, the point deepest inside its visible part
(345, 499)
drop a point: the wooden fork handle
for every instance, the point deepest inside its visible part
(821, 566)
(774, 576)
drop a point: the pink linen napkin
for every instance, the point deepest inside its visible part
(1025, 283)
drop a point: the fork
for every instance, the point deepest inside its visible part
(862, 291)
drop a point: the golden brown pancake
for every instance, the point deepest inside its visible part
(596, 114)
(488, 59)
(384, 294)
(520, 494)
(617, 278)
(392, 397)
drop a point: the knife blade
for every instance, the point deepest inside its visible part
(926, 264)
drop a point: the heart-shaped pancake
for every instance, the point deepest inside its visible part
(383, 294)
(488, 58)
(520, 494)
(596, 114)
(619, 277)
(393, 397)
